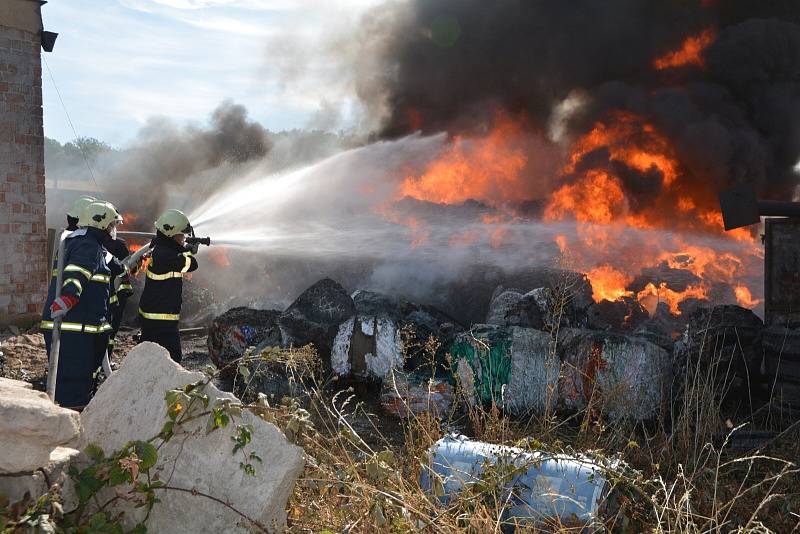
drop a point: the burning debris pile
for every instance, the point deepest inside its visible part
(618, 122)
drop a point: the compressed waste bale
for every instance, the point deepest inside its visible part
(782, 365)
(314, 317)
(130, 405)
(377, 304)
(567, 488)
(728, 339)
(510, 307)
(619, 315)
(420, 323)
(406, 394)
(624, 377)
(234, 331)
(389, 333)
(31, 426)
(729, 332)
(782, 353)
(512, 367)
(367, 347)
(521, 370)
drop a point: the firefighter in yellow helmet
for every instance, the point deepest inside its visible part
(83, 304)
(160, 304)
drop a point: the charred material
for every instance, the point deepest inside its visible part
(314, 317)
(726, 342)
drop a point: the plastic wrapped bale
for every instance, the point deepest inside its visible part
(623, 377)
(728, 339)
(618, 315)
(539, 488)
(391, 333)
(237, 329)
(405, 394)
(510, 307)
(367, 347)
(315, 315)
(514, 368)
(782, 364)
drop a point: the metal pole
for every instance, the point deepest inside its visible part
(55, 341)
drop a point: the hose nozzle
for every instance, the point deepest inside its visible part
(198, 241)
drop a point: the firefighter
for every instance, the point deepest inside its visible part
(83, 304)
(75, 211)
(160, 304)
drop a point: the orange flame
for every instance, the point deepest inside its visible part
(609, 283)
(690, 52)
(486, 169)
(653, 267)
(219, 256)
(651, 295)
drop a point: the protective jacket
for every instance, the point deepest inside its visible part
(86, 276)
(163, 286)
(85, 327)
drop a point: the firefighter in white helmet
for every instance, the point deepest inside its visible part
(160, 304)
(74, 212)
(83, 304)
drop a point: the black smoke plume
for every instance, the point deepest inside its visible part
(447, 65)
(166, 156)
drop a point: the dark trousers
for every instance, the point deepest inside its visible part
(166, 334)
(79, 357)
(116, 312)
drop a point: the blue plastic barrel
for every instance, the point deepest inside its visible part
(542, 486)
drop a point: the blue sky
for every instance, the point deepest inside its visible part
(119, 62)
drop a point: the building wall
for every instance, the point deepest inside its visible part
(23, 241)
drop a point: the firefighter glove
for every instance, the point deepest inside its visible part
(62, 305)
(193, 248)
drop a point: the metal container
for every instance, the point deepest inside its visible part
(782, 272)
(539, 487)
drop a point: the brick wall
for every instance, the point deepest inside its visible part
(23, 262)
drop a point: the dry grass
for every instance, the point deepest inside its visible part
(677, 479)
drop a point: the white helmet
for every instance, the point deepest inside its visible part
(173, 222)
(77, 206)
(99, 214)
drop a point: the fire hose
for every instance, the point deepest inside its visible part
(55, 342)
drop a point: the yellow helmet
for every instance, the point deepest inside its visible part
(99, 214)
(80, 203)
(173, 222)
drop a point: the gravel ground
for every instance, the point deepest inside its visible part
(23, 355)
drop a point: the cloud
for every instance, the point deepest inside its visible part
(134, 59)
